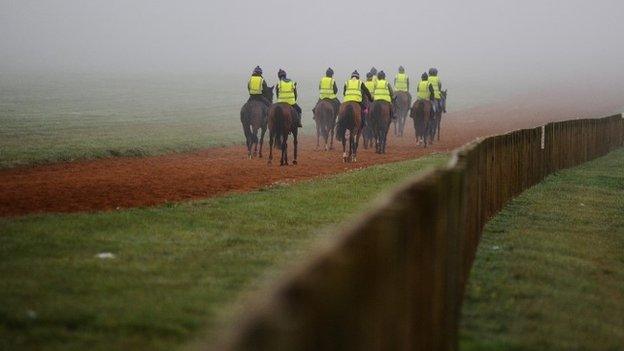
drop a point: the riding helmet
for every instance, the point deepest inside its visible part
(355, 74)
(381, 75)
(329, 72)
(281, 73)
(257, 70)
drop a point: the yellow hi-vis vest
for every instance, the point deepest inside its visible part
(255, 85)
(435, 81)
(353, 90)
(370, 85)
(381, 91)
(287, 92)
(326, 88)
(400, 82)
(423, 92)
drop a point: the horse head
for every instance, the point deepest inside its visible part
(268, 93)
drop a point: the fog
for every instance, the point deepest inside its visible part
(508, 46)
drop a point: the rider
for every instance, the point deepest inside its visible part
(437, 88)
(328, 90)
(425, 91)
(383, 91)
(370, 83)
(257, 86)
(373, 71)
(401, 81)
(353, 90)
(286, 91)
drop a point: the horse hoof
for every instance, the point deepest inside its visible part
(249, 157)
(295, 162)
(260, 155)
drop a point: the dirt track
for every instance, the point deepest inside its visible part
(130, 182)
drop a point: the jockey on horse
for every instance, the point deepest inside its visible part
(383, 91)
(286, 91)
(425, 90)
(437, 89)
(354, 90)
(401, 82)
(328, 90)
(257, 86)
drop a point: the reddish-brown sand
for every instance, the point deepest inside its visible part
(116, 183)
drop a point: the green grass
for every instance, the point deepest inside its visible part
(549, 272)
(178, 270)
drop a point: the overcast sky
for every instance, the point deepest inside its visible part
(527, 40)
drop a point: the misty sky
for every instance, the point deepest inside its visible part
(523, 41)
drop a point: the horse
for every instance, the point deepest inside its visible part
(400, 108)
(367, 131)
(424, 124)
(325, 118)
(281, 122)
(442, 109)
(349, 118)
(253, 116)
(380, 123)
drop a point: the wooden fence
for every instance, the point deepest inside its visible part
(395, 279)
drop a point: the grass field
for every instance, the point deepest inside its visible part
(176, 268)
(549, 273)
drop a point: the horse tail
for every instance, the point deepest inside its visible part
(342, 125)
(278, 126)
(376, 113)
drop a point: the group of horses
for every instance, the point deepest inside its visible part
(350, 123)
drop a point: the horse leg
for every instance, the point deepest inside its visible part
(261, 141)
(284, 159)
(295, 143)
(331, 138)
(255, 140)
(344, 149)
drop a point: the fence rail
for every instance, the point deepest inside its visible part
(395, 279)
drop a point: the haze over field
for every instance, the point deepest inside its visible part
(511, 44)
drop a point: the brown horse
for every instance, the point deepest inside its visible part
(424, 125)
(349, 118)
(367, 131)
(380, 123)
(401, 106)
(325, 118)
(281, 123)
(253, 116)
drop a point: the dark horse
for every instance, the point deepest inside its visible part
(401, 106)
(438, 116)
(380, 123)
(349, 119)
(281, 123)
(253, 116)
(424, 124)
(367, 131)
(325, 118)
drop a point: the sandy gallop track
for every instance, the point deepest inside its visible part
(116, 183)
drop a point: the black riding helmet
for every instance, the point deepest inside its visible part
(424, 76)
(373, 70)
(281, 74)
(329, 72)
(401, 69)
(381, 75)
(355, 74)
